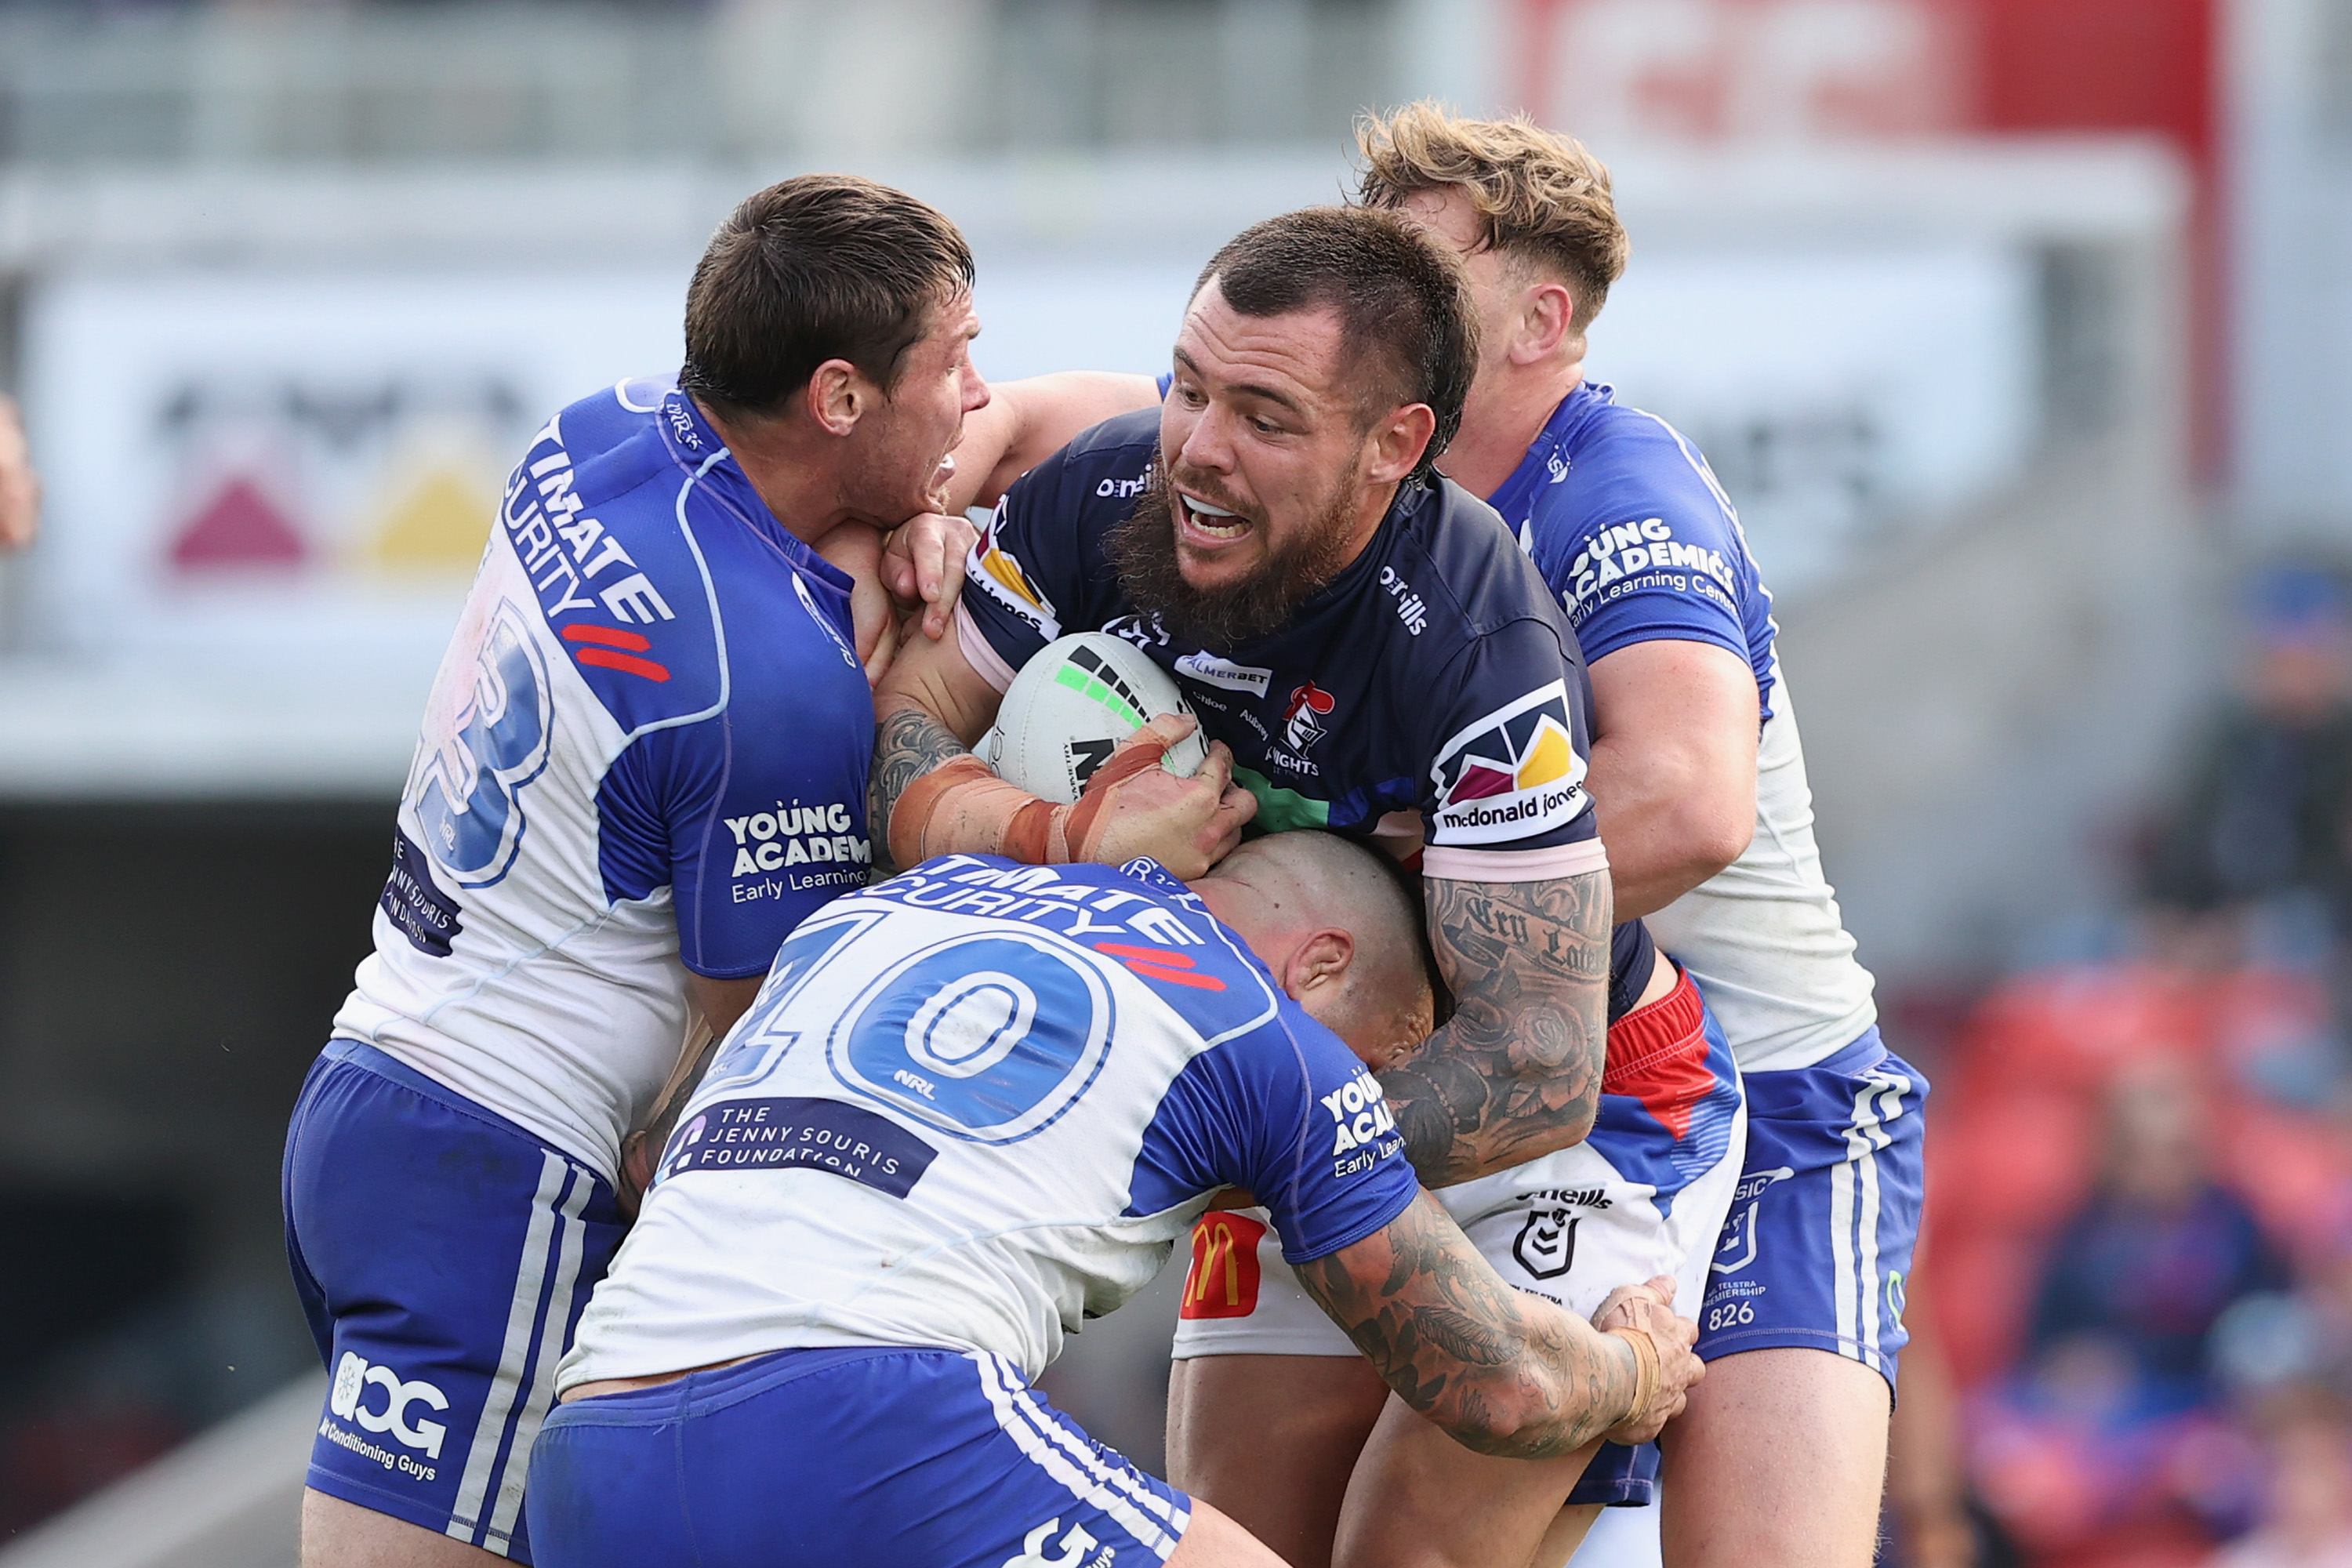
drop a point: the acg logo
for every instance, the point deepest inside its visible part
(1072, 1548)
(354, 1377)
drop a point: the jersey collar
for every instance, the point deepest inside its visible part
(696, 446)
(1547, 459)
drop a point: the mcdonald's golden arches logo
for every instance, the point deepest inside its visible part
(1222, 1280)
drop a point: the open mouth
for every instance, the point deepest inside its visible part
(1209, 524)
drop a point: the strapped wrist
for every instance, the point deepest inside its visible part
(961, 806)
(1646, 1372)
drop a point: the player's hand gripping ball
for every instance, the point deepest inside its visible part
(1071, 705)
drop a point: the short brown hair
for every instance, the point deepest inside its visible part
(1544, 198)
(817, 267)
(1397, 297)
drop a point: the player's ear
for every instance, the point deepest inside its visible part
(1397, 442)
(1317, 969)
(837, 396)
(1547, 309)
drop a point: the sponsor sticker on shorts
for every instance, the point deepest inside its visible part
(1513, 775)
(1223, 1278)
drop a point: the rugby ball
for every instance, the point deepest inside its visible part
(1071, 705)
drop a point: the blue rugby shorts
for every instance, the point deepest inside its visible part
(810, 1458)
(1817, 1250)
(443, 1255)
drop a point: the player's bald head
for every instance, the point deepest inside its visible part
(1288, 893)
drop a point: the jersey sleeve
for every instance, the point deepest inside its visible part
(1026, 575)
(1289, 1112)
(1505, 799)
(678, 809)
(1654, 557)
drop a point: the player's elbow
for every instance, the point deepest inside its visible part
(1709, 833)
(1576, 1124)
(1497, 1413)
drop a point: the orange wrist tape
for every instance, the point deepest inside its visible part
(962, 807)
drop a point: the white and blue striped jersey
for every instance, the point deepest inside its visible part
(646, 752)
(1627, 523)
(976, 1105)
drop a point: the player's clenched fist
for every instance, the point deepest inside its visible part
(923, 567)
(1132, 806)
(857, 550)
(1643, 1316)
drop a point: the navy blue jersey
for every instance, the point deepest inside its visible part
(648, 746)
(1433, 689)
(1626, 522)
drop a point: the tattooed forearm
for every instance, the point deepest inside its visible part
(1515, 1073)
(1503, 1372)
(907, 743)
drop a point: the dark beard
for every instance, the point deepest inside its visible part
(1142, 551)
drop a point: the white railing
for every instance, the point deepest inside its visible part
(229, 1499)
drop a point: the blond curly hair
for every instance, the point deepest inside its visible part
(1545, 197)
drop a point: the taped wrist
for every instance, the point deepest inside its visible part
(1647, 1374)
(961, 807)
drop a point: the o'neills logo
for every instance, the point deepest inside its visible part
(1512, 773)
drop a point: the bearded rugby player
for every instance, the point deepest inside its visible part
(1698, 779)
(1367, 644)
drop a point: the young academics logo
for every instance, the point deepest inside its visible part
(1512, 774)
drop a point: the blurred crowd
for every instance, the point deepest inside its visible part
(2138, 1293)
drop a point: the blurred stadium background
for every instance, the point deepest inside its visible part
(2020, 330)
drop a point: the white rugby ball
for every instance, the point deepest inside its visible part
(1071, 704)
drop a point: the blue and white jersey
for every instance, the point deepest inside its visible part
(1627, 523)
(976, 1105)
(646, 748)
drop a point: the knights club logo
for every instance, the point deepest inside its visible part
(1302, 721)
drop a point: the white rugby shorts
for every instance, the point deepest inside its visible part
(1645, 1194)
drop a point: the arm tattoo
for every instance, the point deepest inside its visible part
(907, 743)
(1516, 1072)
(1504, 1373)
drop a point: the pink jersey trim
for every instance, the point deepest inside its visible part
(983, 658)
(1454, 865)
